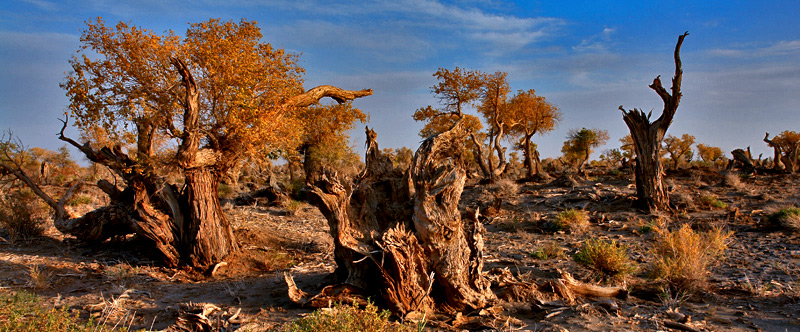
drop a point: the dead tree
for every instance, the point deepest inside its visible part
(647, 137)
(398, 234)
(777, 164)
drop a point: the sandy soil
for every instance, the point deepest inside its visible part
(756, 287)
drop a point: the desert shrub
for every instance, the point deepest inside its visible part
(342, 317)
(607, 257)
(711, 201)
(79, 200)
(652, 225)
(733, 180)
(504, 188)
(225, 190)
(788, 217)
(574, 220)
(549, 251)
(22, 214)
(24, 312)
(684, 257)
(293, 206)
(39, 277)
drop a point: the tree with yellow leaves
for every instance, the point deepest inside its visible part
(531, 114)
(216, 95)
(679, 148)
(787, 150)
(580, 144)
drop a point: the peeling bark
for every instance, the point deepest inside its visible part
(398, 235)
(188, 225)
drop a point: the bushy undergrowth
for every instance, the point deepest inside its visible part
(684, 257)
(24, 312)
(712, 202)
(343, 317)
(607, 257)
(574, 220)
(788, 217)
(504, 188)
(293, 206)
(22, 214)
(79, 200)
(550, 250)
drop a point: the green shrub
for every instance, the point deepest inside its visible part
(79, 200)
(711, 201)
(351, 318)
(293, 206)
(548, 251)
(574, 220)
(607, 257)
(224, 190)
(788, 217)
(684, 257)
(24, 312)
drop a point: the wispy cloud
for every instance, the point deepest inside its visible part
(781, 48)
(425, 18)
(598, 43)
(43, 5)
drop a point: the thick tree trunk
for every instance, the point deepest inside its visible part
(501, 153)
(777, 163)
(527, 148)
(399, 236)
(186, 226)
(482, 162)
(207, 234)
(647, 137)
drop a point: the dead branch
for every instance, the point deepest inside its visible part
(313, 95)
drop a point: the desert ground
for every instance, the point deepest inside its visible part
(755, 287)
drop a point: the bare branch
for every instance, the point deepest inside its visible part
(313, 95)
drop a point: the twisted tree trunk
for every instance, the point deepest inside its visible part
(777, 163)
(647, 137)
(399, 235)
(187, 225)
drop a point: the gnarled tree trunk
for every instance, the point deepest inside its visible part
(777, 163)
(647, 137)
(187, 225)
(399, 235)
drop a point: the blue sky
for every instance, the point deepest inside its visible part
(741, 60)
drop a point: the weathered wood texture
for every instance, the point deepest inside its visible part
(647, 137)
(398, 234)
(187, 225)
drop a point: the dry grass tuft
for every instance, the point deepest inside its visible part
(734, 180)
(22, 215)
(788, 218)
(607, 257)
(712, 202)
(684, 257)
(293, 207)
(342, 317)
(551, 250)
(39, 277)
(574, 220)
(25, 312)
(504, 188)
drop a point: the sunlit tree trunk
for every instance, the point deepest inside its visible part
(399, 236)
(647, 137)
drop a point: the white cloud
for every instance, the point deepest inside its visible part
(598, 43)
(426, 17)
(43, 5)
(780, 48)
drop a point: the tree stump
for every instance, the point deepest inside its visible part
(398, 234)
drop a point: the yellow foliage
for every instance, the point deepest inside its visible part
(122, 86)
